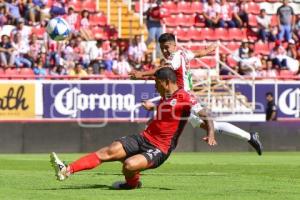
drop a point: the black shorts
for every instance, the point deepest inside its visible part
(137, 144)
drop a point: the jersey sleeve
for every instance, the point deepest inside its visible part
(189, 55)
(196, 106)
(175, 61)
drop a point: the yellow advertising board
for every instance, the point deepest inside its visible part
(17, 101)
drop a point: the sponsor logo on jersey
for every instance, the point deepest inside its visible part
(173, 102)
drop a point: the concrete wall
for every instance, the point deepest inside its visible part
(70, 137)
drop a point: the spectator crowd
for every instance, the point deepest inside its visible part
(25, 44)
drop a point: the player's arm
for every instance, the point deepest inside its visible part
(206, 51)
(148, 105)
(141, 75)
(210, 138)
(202, 112)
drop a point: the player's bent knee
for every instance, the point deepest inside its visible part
(130, 165)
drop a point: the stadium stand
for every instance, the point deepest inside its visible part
(185, 20)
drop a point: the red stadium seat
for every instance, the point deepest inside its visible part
(197, 7)
(274, 20)
(98, 19)
(89, 5)
(137, 6)
(221, 34)
(233, 46)
(196, 47)
(11, 72)
(171, 21)
(182, 35)
(184, 7)
(262, 48)
(252, 20)
(26, 72)
(170, 6)
(253, 8)
(286, 73)
(237, 34)
(223, 50)
(195, 34)
(2, 72)
(185, 20)
(170, 29)
(208, 62)
(207, 34)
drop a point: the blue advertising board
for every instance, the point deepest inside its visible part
(286, 97)
(96, 99)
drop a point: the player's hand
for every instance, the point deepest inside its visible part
(210, 141)
(211, 47)
(148, 105)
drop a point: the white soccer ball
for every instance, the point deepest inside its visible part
(58, 29)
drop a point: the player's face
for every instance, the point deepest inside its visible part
(167, 48)
(160, 87)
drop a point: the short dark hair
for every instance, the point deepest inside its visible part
(269, 94)
(166, 73)
(166, 37)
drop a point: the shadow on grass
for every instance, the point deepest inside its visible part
(167, 174)
(98, 186)
(81, 187)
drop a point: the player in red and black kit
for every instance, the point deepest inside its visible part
(179, 60)
(154, 145)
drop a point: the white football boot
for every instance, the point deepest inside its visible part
(60, 168)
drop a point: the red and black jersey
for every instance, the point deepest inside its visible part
(172, 114)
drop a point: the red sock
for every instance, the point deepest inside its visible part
(133, 181)
(89, 161)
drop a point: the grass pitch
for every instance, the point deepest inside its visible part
(185, 176)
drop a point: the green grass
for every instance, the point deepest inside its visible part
(185, 176)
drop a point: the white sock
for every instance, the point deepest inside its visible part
(232, 130)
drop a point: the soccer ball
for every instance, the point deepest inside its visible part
(58, 29)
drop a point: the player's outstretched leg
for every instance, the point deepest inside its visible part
(231, 130)
(131, 170)
(111, 153)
